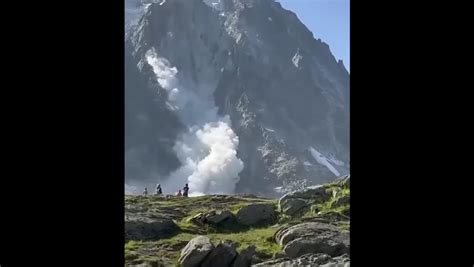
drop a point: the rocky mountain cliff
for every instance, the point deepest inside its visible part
(246, 73)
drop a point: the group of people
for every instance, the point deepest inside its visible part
(159, 191)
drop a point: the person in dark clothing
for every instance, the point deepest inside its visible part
(145, 192)
(158, 190)
(185, 190)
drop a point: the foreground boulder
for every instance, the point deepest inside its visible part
(222, 255)
(145, 227)
(313, 237)
(300, 201)
(256, 214)
(309, 260)
(201, 252)
(195, 251)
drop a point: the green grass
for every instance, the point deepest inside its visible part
(262, 237)
(132, 245)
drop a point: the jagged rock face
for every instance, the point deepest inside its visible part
(286, 95)
(151, 127)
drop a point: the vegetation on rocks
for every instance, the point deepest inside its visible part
(166, 251)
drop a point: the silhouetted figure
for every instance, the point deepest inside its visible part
(185, 190)
(158, 190)
(145, 192)
(179, 194)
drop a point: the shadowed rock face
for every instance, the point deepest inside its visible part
(283, 90)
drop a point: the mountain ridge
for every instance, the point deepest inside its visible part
(283, 91)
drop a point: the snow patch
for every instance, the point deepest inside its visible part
(321, 159)
(297, 58)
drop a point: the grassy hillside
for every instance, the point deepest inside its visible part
(166, 251)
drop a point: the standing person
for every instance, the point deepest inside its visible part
(145, 192)
(179, 193)
(158, 190)
(185, 190)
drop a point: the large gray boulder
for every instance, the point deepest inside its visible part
(313, 237)
(213, 217)
(309, 260)
(218, 217)
(195, 251)
(146, 227)
(222, 255)
(256, 214)
(244, 259)
(300, 201)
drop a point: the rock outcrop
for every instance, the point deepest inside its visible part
(313, 237)
(300, 201)
(244, 259)
(215, 218)
(146, 227)
(256, 214)
(195, 251)
(222, 255)
(200, 252)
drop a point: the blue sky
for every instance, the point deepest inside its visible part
(328, 20)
